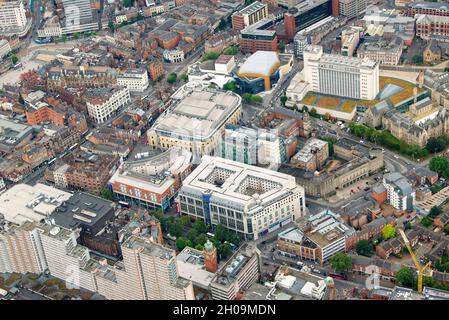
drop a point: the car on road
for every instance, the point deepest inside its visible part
(316, 271)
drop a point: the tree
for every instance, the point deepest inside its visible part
(247, 97)
(200, 239)
(435, 145)
(14, 58)
(313, 112)
(256, 99)
(417, 59)
(224, 250)
(106, 194)
(199, 247)
(388, 232)
(284, 100)
(220, 233)
(426, 222)
(405, 277)
(181, 243)
(327, 116)
(200, 226)
(230, 86)
(128, 3)
(446, 229)
(111, 25)
(184, 77)
(341, 262)
(440, 165)
(364, 247)
(435, 211)
(55, 40)
(212, 55)
(407, 225)
(231, 51)
(192, 234)
(76, 35)
(175, 229)
(305, 109)
(281, 46)
(172, 77)
(184, 221)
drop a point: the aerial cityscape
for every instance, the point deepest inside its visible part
(232, 150)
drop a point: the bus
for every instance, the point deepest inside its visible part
(73, 147)
(124, 204)
(51, 161)
(210, 234)
(18, 65)
(338, 276)
(3, 293)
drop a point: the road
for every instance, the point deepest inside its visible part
(26, 294)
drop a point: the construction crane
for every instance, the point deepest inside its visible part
(421, 270)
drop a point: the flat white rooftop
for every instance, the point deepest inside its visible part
(199, 113)
(236, 182)
(23, 202)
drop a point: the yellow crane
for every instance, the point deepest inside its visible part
(421, 270)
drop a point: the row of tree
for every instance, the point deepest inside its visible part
(386, 139)
(194, 234)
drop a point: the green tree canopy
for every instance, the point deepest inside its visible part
(231, 51)
(364, 247)
(341, 262)
(181, 243)
(417, 59)
(435, 211)
(440, 165)
(212, 55)
(172, 77)
(184, 221)
(128, 3)
(224, 250)
(405, 276)
(106, 194)
(388, 232)
(14, 58)
(284, 100)
(192, 234)
(426, 222)
(200, 226)
(230, 86)
(256, 99)
(200, 239)
(175, 229)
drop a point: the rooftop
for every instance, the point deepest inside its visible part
(231, 181)
(200, 113)
(263, 63)
(23, 202)
(83, 209)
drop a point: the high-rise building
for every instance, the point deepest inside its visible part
(400, 193)
(339, 75)
(351, 8)
(148, 270)
(238, 274)
(103, 102)
(135, 79)
(249, 15)
(248, 200)
(195, 120)
(12, 13)
(258, 37)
